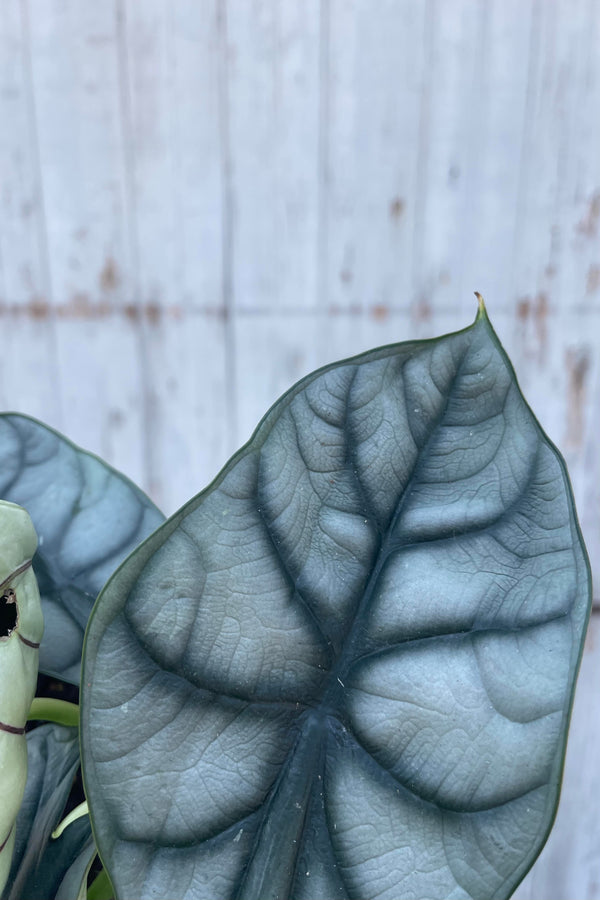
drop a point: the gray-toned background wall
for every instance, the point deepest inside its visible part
(202, 200)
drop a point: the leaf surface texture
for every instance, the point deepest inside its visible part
(345, 669)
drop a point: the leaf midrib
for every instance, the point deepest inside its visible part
(348, 654)
(329, 704)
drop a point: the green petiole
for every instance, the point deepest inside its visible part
(51, 710)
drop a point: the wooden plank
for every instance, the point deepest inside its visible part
(492, 175)
(101, 389)
(22, 250)
(75, 71)
(556, 258)
(28, 368)
(102, 395)
(199, 165)
(451, 106)
(170, 74)
(569, 865)
(273, 71)
(376, 75)
(76, 65)
(576, 227)
(28, 363)
(191, 440)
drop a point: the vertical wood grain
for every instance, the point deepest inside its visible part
(273, 74)
(376, 75)
(80, 148)
(171, 73)
(171, 68)
(29, 372)
(448, 148)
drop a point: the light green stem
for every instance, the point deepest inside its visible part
(50, 710)
(77, 813)
(100, 888)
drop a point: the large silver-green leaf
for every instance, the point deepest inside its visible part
(346, 668)
(88, 518)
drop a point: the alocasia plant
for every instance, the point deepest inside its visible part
(346, 668)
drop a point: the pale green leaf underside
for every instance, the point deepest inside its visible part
(345, 670)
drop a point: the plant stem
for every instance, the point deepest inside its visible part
(51, 710)
(77, 813)
(100, 888)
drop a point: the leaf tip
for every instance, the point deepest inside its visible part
(481, 311)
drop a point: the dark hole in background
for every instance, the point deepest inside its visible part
(8, 616)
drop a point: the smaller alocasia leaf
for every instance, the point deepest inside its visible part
(44, 880)
(40, 862)
(345, 670)
(88, 518)
(21, 628)
(74, 884)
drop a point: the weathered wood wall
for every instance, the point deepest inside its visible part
(202, 200)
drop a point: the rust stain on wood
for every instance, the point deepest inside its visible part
(397, 207)
(153, 313)
(577, 361)
(540, 316)
(523, 309)
(380, 312)
(109, 276)
(116, 418)
(422, 310)
(590, 638)
(535, 312)
(132, 312)
(593, 279)
(588, 226)
(39, 308)
(82, 307)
